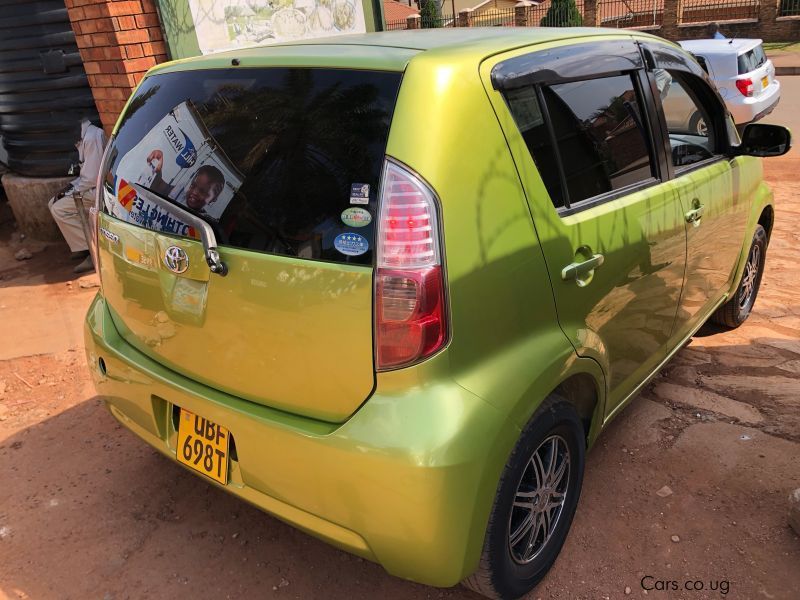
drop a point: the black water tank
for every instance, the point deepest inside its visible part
(43, 88)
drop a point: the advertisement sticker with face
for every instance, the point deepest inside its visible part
(177, 159)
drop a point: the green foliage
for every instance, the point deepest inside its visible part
(429, 14)
(562, 13)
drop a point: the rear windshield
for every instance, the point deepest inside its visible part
(751, 60)
(280, 160)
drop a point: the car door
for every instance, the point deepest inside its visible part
(712, 187)
(578, 122)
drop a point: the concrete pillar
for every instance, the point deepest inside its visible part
(413, 22)
(28, 198)
(118, 42)
(465, 18)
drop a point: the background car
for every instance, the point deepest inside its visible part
(743, 74)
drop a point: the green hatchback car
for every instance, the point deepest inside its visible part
(390, 287)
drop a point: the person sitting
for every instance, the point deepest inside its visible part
(62, 205)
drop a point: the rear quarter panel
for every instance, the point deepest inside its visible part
(506, 344)
(748, 178)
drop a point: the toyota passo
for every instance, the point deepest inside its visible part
(390, 288)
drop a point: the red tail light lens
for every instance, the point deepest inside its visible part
(411, 319)
(745, 86)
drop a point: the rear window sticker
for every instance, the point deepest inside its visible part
(359, 193)
(356, 217)
(180, 160)
(351, 244)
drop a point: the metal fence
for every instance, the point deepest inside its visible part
(610, 13)
(543, 15)
(630, 13)
(789, 8)
(699, 11)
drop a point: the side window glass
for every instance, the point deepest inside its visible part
(528, 116)
(690, 127)
(599, 140)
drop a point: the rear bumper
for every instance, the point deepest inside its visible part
(746, 110)
(407, 481)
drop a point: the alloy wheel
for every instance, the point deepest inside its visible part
(539, 499)
(750, 276)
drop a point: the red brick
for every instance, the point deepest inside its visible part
(161, 58)
(68, 3)
(139, 64)
(155, 34)
(137, 77)
(93, 54)
(134, 51)
(104, 80)
(91, 67)
(75, 14)
(102, 39)
(153, 48)
(94, 11)
(83, 41)
(125, 22)
(117, 9)
(149, 6)
(109, 66)
(147, 20)
(123, 81)
(104, 24)
(113, 53)
(133, 36)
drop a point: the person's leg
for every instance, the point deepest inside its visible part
(65, 213)
(68, 220)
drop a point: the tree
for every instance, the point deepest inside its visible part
(562, 13)
(429, 14)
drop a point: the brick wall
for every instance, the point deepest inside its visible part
(118, 41)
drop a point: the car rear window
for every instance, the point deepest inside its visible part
(751, 60)
(279, 160)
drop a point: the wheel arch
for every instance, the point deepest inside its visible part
(766, 219)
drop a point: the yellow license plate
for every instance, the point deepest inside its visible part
(764, 82)
(203, 446)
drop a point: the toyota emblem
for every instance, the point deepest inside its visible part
(176, 260)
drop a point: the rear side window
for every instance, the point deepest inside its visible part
(751, 60)
(280, 160)
(590, 139)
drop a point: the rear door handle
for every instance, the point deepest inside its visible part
(207, 236)
(578, 269)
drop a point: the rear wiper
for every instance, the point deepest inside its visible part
(206, 232)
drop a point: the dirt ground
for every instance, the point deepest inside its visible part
(88, 511)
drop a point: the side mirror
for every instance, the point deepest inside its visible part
(761, 139)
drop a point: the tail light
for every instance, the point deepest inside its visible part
(410, 311)
(745, 86)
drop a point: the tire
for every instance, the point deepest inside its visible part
(511, 570)
(697, 125)
(736, 310)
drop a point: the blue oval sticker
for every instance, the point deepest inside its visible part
(351, 244)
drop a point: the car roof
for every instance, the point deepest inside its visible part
(730, 46)
(391, 50)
